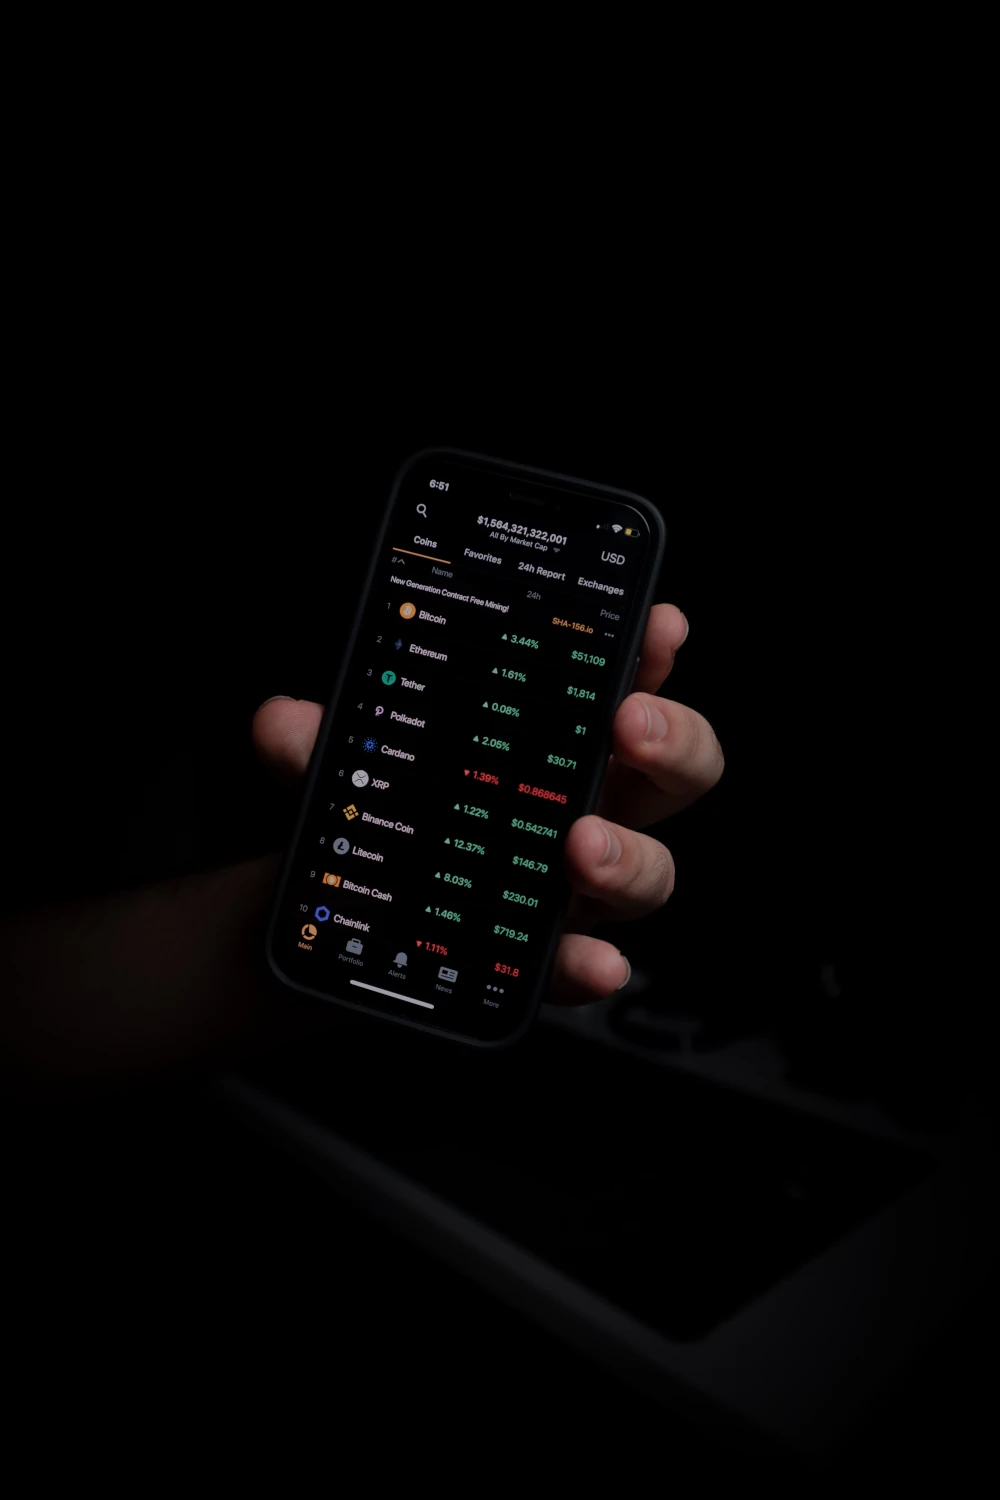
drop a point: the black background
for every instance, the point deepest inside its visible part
(173, 561)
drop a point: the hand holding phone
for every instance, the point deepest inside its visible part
(426, 881)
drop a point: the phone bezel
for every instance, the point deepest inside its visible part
(636, 630)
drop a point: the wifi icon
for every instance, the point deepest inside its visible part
(614, 527)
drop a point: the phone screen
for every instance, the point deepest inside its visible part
(496, 640)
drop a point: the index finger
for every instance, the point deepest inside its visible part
(666, 756)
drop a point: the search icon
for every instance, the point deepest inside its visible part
(422, 511)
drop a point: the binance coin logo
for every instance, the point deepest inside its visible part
(350, 812)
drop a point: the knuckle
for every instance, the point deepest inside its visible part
(666, 872)
(705, 756)
(652, 881)
(719, 760)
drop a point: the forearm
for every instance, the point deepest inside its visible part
(143, 980)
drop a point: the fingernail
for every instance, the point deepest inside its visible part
(656, 725)
(613, 852)
(287, 696)
(687, 631)
(628, 974)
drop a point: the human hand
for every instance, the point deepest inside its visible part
(665, 756)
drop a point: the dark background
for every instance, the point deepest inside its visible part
(178, 563)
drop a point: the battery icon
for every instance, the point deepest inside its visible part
(631, 531)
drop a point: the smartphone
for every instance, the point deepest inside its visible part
(498, 632)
